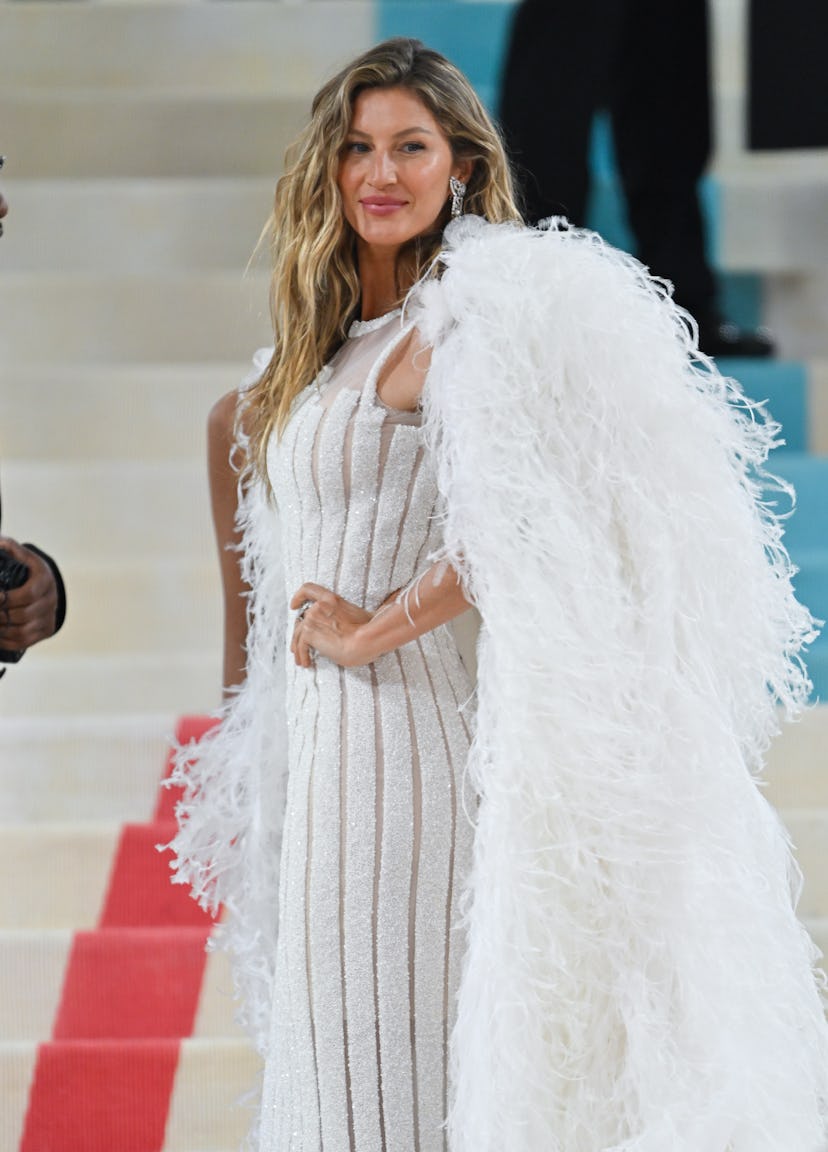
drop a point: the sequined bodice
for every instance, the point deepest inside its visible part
(354, 487)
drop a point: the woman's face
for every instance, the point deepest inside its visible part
(395, 167)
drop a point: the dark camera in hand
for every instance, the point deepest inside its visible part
(13, 574)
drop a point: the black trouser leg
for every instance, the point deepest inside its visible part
(551, 81)
(660, 106)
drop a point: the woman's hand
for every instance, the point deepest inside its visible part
(350, 636)
(330, 626)
(28, 614)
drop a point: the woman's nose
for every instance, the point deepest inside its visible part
(383, 170)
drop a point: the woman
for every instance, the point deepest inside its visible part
(545, 933)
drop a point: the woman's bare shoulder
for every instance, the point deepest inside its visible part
(221, 420)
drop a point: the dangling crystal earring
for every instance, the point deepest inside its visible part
(458, 191)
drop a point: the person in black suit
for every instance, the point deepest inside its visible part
(646, 61)
(37, 609)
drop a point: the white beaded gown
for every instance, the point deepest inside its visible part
(377, 836)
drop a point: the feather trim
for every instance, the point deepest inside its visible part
(636, 978)
(230, 815)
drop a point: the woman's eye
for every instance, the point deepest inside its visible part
(413, 146)
(356, 146)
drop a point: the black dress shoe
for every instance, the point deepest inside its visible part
(721, 338)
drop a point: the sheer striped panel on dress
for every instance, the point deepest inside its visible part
(377, 836)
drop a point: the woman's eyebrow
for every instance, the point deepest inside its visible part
(402, 132)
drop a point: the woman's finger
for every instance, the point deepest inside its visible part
(299, 646)
(303, 653)
(317, 593)
(308, 591)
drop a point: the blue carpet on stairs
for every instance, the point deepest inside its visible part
(806, 537)
(783, 387)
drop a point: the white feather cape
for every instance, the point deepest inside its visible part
(636, 978)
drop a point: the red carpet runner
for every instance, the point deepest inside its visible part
(130, 993)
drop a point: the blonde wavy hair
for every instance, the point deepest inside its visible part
(315, 290)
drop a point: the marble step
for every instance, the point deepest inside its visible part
(81, 876)
(796, 309)
(772, 213)
(33, 963)
(250, 45)
(206, 1113)
(111, 510)
(134, 225)
(141, 608)
(111, 684)
(818, 406)
(63, 768)
(797, 765)
(145, 133)
(55, 875)
(101, 319)
(208, 1110)
(808, 828)
(116, 412)
(264, 46)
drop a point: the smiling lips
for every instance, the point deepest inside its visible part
(381, 205)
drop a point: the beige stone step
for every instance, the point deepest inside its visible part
(796, 308)
(818, 405)
(117, 412)
(183, 318)
(139, 607)
(32, 970)
(32, 967)
(205, 1111)
(809, 832)
(217, 1006)
(134, 225)
(63, 768)
(773, 213)
(143, 133)
(54, 875)
(262, 46)
(797, 767)
(17, 1065)
(110, 511)
(818, 929)
(46, 685)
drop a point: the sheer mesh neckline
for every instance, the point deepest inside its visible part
(361, 327)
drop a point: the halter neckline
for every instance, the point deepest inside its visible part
(361, 327)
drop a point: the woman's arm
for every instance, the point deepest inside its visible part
(224, 482)
(351, 636)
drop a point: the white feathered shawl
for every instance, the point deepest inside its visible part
(230, 816)
(635, 977)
